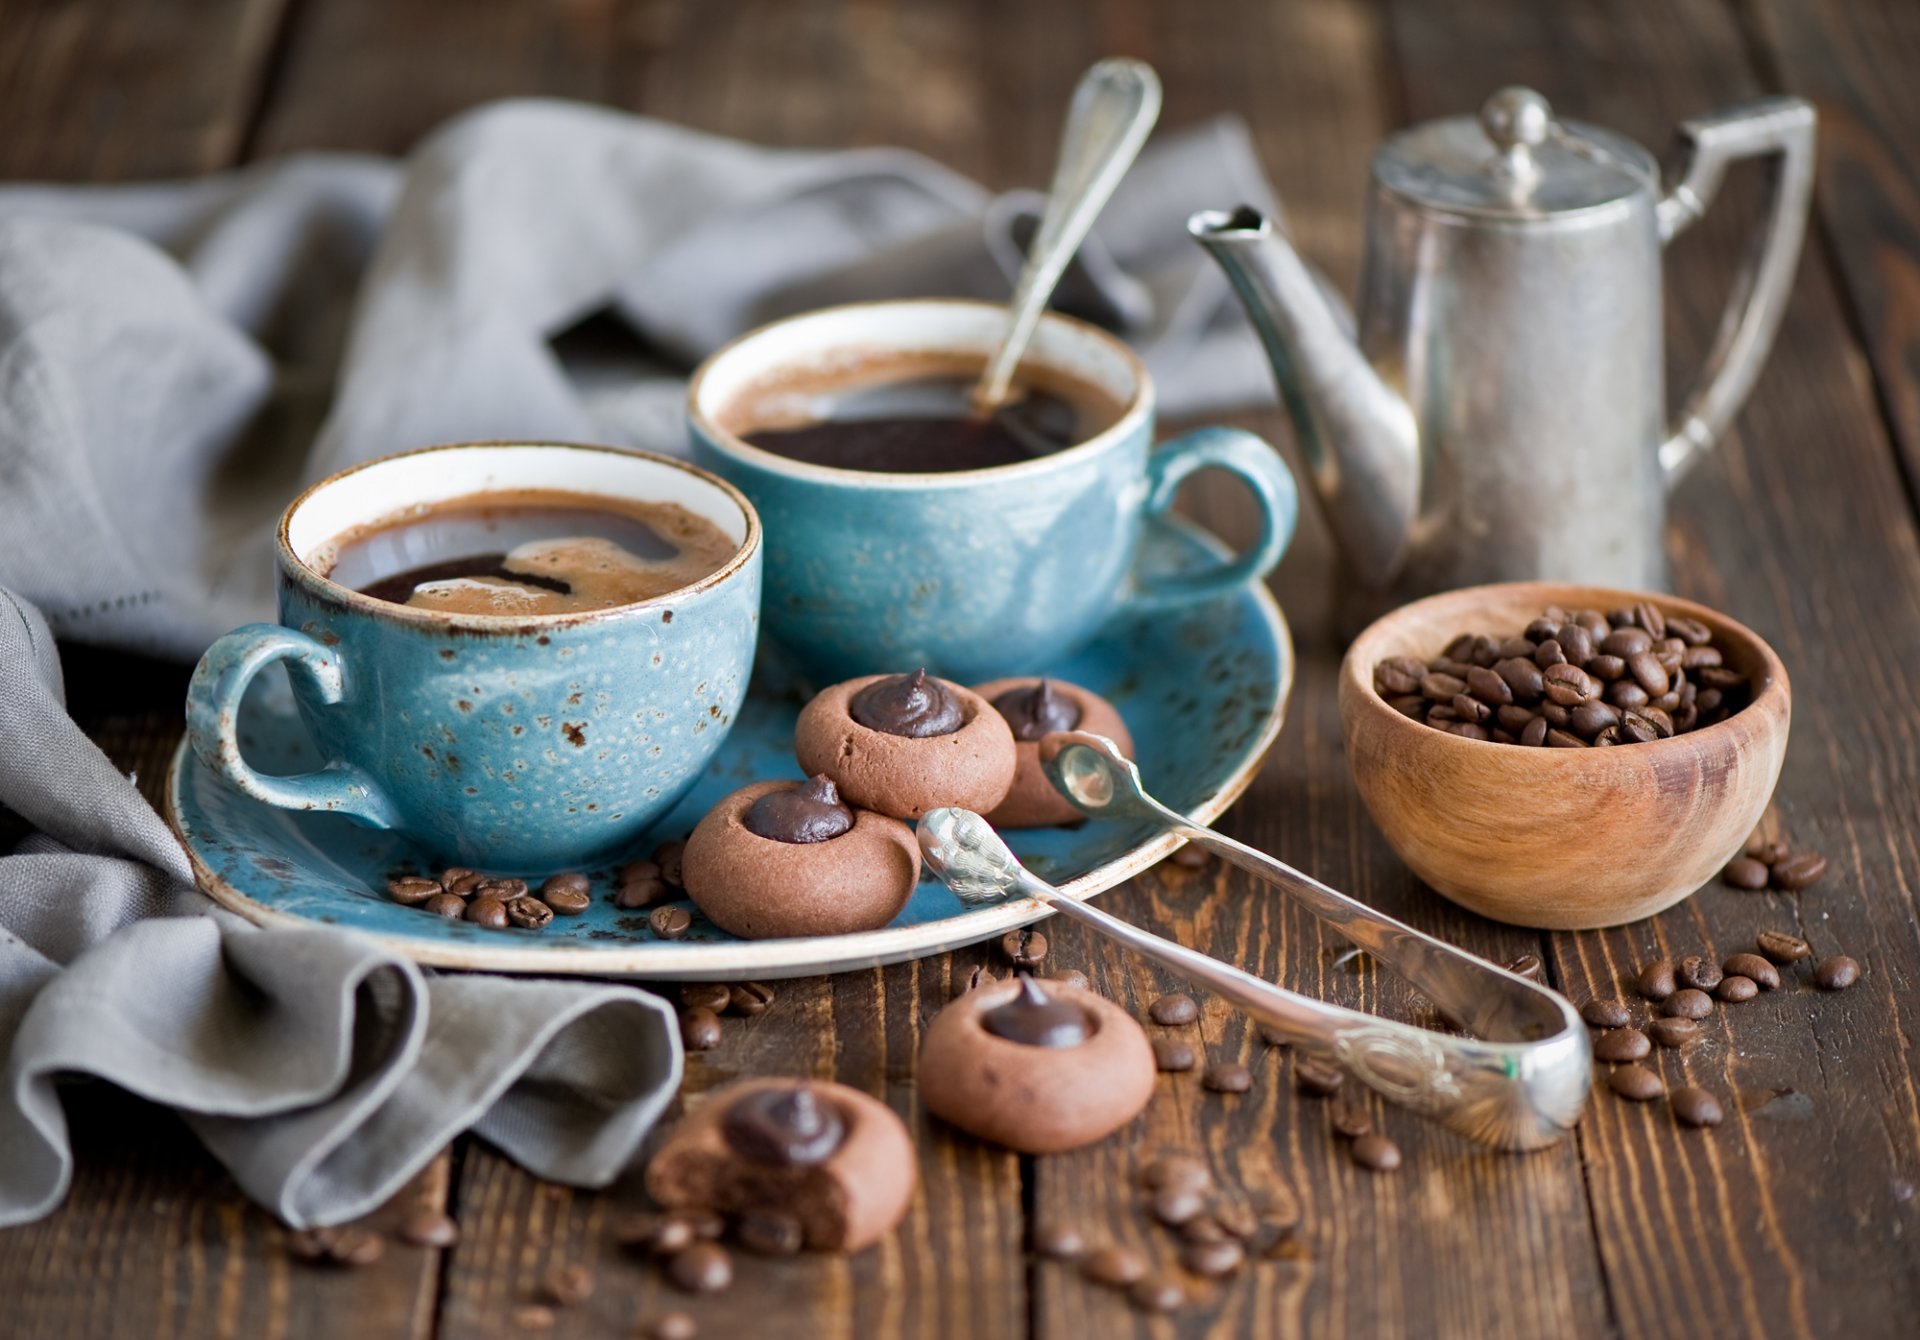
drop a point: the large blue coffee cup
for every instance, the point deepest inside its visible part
(975, 573)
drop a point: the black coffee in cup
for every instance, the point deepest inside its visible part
(911, 414)
(528, 552)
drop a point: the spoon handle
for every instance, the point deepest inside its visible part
(1113, 108)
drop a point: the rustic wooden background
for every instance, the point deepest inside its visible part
(1798, 1217)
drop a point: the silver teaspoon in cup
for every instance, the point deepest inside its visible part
(1521, 1083)
(1114, 106)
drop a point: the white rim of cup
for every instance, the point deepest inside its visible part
(326, 589)
(1138, 407)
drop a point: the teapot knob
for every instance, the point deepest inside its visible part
(1516, 117)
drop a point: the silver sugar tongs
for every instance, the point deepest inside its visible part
(1521, 1083)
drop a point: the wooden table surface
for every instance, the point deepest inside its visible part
(1797, 1217)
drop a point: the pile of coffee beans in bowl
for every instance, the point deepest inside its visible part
(1572, 680)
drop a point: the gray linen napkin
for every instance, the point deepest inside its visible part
(176, 358)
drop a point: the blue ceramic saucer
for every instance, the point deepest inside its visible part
(1203, 688)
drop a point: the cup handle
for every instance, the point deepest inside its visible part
(1261, 469)
(213, 714)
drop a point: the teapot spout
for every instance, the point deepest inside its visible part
(1356, 433)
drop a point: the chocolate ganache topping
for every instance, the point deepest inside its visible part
(1037, 711)
(809, 812)
(785, 1127)
(915, 705)
(1035, 1019)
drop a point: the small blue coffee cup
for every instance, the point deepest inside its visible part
(508, 743)
(976, 573)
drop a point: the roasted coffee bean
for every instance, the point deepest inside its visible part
(568, 1285)
(506, 890)
(569, 894)
(1719, 677)
(1412, 705)
(1550, 652)
(1608, 670)
(1471, 709)
(534, 1318)
(1555, 715)
(1576, 640)
(1768, 852)
(708, 1225)
(1485, 650)
(412, 890)
(1173, 1009)
(1059, 1242)
(1349, 1119)
(1204, 1229)
(1669, 1032)
(1398, 675)
(1636, 1083)
(464, 884)
(1173, 1054)
(529, 913)
(1213, 1260)
(1516, 719)
(1442, 688)
(1113, 1265)
(1609, 737)
(1751, 966)
(488, 912)
(1157, 1293)
(1319, 1077)
(770, 1233)
(1569, 685)
(1239, 1218)
(1636, 729)
(1443, 665)
(1488, 687)
(1442, 716)
(1736, 989)
(429, 1228)
(1535, 734)
(1072, 977)
(1606, 1013)
(447, 905)
(1743, 872)
(1625, 693)
(634, 894)
(1542, 629)
(749, 998)
(700, 1030)
(1626, 642)
(1696, 1107)
(1559, 739)
(1590, 719)
(1270, 1035)
(1227, 1077)
(705, 996)
(1655, 981)
(1698, 971)
(702, 1268)
(673, 1235)
(670, 923)
(668, 856)
(1836, 973)
(1798, 871)
(1523, 679)
(1652, 676)
(1527, 966)
(1468, 730)
(356, 1246)
(1176, 1205)
(1621, 1044)
(1783, 948)
(1658, 717)
(1024, 948)
(673, 1326)
(1514, 649)
(1649, 617)
(1690, 1003)
(638, 870)
(1170, 1171)
(1693, 658)
(1375, 1153)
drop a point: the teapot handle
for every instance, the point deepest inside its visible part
(1780, 128)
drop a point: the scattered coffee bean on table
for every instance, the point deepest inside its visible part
(569, 895)
(673, 1326)
(1318, 1077)
(1768, 852)
(488, 912)
(700, 1030)
(1024, 948)
(770, 1233)
(1349, 1119)
(1621, 1044)
(1698, 971)
(670, 923)
(749, 998)
(1173, 1054)
(701, 1268)
(1213, 1260)
(1696, 1107)
(1375, 1153)
(412, 890)
(1227, 1077)
(356, 1247)
(1059, 1242)
(1655, 981)
(1157, 1293)
(1177, 1170)
(1527, 966)
(1113, 1265)
(1606, 1013)
(1174, 1009)
(1736, 989)
(429, 1228)
(1783, 948)
(1800, 870)
(569, 1285)
(1836, 973)
(668, 856)
(1177, 1205)
(1270, 1035)
(1670, 1032)
(705, 996)
(1755, 968)
(1743, 872)
(448, 905)
(529, 914)
(1691, 1003)
(1636, 1083)
(634, 894)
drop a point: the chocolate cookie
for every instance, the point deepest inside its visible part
(1037, 1075)
(905, 775)
(834, 1158)
(763, 888)
(1033, 802)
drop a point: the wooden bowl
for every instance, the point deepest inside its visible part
(1564, 839)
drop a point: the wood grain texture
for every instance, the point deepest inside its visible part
(1798, 1217)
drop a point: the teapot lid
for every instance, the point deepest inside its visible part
(1513, 161)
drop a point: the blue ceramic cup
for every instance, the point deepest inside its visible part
(508, 743)
(975, 573)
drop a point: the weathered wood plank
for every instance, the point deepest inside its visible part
(1796, 1217)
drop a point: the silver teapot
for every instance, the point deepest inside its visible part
(1499, 413)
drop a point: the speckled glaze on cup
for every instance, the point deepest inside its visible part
(975, 573)
(509, 743)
